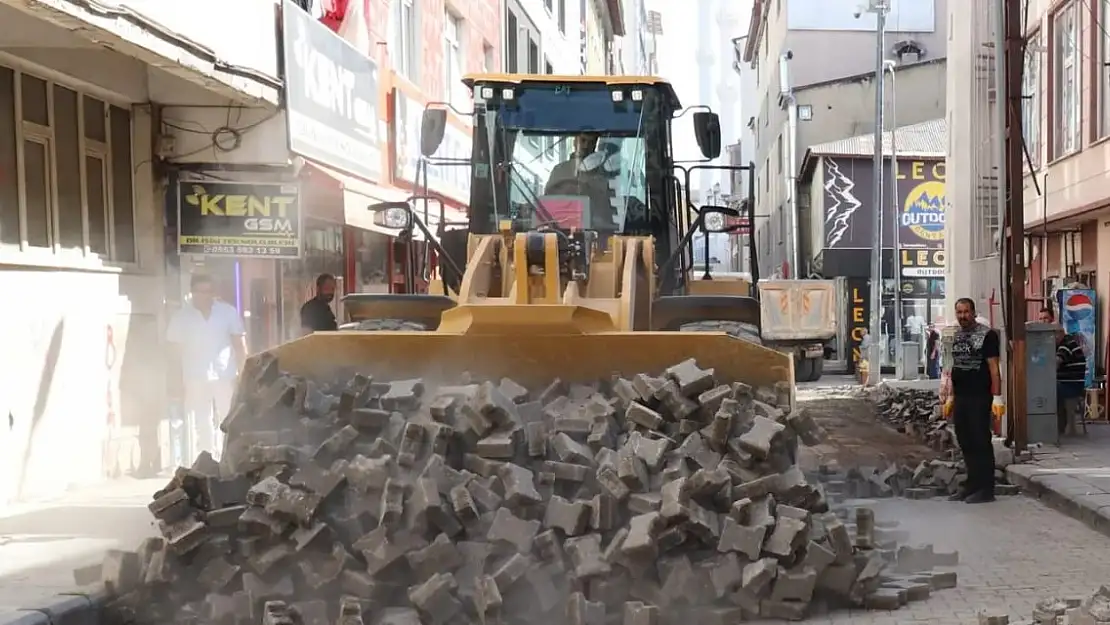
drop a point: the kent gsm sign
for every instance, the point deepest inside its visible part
(239, 219)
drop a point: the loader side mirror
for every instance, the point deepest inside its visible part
(394, 215)
(713, 217)
(707, 131)
(433, 125)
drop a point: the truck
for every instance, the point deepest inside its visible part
(797, 317)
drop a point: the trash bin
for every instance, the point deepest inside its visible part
(911, 359)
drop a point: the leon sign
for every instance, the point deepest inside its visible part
(239, 219)
(921, 263)
(921, 195)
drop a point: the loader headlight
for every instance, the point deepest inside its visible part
(714, 222)
(396, 218)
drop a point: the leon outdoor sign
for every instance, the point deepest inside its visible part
(921, 192)
(261, 219)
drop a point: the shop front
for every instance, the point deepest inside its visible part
(242, 233)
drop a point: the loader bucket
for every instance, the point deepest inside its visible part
(532, 358)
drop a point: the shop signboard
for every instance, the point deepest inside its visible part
(240, 219)
(922, 263)
(921, 198)
(859, 312)
(331, 97)
(450, 180)
(1079, 316)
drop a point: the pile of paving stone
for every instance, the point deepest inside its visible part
(930, 478)
(645, 500)
(916, 413)
(1094, 610)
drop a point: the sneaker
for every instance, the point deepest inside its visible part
(959, 496)
(980, 497)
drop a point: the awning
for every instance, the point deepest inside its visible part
(359, 195)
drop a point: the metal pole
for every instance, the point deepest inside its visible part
(1015, 208)
(898, 321)
(874, 374)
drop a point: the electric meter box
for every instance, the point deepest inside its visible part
(1040, 385)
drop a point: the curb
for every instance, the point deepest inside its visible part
(75, 608)
(1058, 497)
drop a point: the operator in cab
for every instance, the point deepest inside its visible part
(584, 175)
(585, 145)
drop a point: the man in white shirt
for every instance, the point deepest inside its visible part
(211, 346)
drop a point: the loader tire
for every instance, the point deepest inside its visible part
(388, 325)
(743, 331)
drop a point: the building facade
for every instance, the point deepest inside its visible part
(83, 99)
(1066, 121)
(838, 201)
(542, 37)
(791, 44)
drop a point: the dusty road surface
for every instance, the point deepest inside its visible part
(856, 436)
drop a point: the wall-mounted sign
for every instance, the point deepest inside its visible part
(451, 180)
(331, 97)
(261, 219)
(859, 311)
(922, 263)
(922, 204)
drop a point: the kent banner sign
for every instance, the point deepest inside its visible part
(240, 219)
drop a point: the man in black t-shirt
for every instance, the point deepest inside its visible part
(316, 314)
(976, 380)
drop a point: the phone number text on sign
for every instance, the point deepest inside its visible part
(231, 246)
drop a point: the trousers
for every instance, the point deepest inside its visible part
(207, 402)
(971, 414)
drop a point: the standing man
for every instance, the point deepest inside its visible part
(316, 314)
(1071, 376)
(976, 381)
(211, 346)
(932, 353)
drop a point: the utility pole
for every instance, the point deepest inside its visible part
(1015, 212)
(874, 368)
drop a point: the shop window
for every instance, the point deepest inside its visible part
(322, 253)
(36, 181)
(67, 160)
(9, 172)
(372, 263)
(71, 227)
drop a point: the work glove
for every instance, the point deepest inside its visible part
(998, 408)
(947, 408)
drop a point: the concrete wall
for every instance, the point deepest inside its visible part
(818, 54)
(847, 109)
(83, 373)
(82, 366)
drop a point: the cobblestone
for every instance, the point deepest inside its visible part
(1013, 553)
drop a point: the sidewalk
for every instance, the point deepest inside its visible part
(42, 542)
(1073, 478)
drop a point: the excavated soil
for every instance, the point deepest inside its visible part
(857, 437)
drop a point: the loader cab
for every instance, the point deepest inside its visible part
(587, 152)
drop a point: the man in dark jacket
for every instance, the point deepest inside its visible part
(316, 314)
(976, 381)
(1071, 375)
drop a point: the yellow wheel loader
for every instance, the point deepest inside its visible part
(577, 262)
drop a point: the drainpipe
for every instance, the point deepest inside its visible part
(786, 95)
